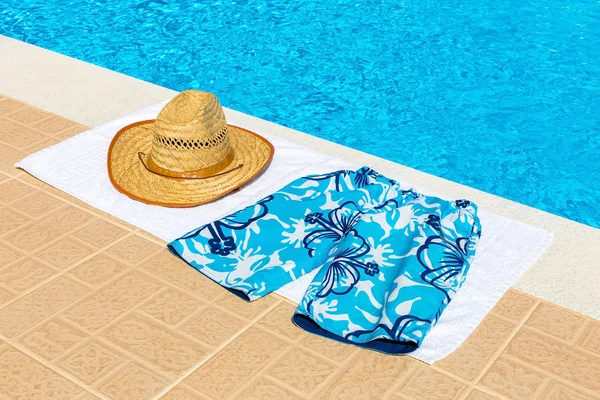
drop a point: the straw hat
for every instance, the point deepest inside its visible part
(187, 156)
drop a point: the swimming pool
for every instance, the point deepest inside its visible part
(501, 96)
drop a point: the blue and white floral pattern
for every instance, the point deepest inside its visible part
(390, 259)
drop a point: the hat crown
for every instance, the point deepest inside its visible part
(190, 134)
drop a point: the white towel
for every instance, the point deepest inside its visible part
(78, 166)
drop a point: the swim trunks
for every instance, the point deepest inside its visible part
(390, 258)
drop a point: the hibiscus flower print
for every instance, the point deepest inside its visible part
(380, 253)
(295, 237)
(444, 260)
(343, 271)
(331, 228)
(222, 243)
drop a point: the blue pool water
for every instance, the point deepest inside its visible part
(503, 96)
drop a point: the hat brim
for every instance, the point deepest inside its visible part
(129, 176)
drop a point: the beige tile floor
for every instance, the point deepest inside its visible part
(91, 307)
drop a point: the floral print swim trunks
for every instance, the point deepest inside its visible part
(390, 258)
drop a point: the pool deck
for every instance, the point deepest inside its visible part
(94, 308)
(568, 273)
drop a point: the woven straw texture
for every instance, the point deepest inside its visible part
(190, 134)
(131, 177)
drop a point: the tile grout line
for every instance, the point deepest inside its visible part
(216, 351)
(150, 237)
(18, 149)
(343, 366)
(34, 287)
(472, 385)
(32, 220)
(35, 189)
(552, 376)
(580, 333)
(74, 202)
(173, 286)
(450, 374)
(95, 335)
(65, 354)
(572, 346)
(131, 357)
(52, 368)
(107, 344)
(466, 393)
(176, 288)
(122, 369)
(56, 313)
(47, 117)
(102, 251)
(506, 342)
(576, 313)
(61, 272)
(199, 395)
(285, 339)
(486, 390)
(178, 328)
(10, 207)
(542, 388)
(298, 344)
(572, 342)
(522, 325)
(130, 271)
(37, 256)
(491, 392)
(33, 128)
(396, 387)
(25, 105)
(260, 372)
(339, 365)
(285, 386)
